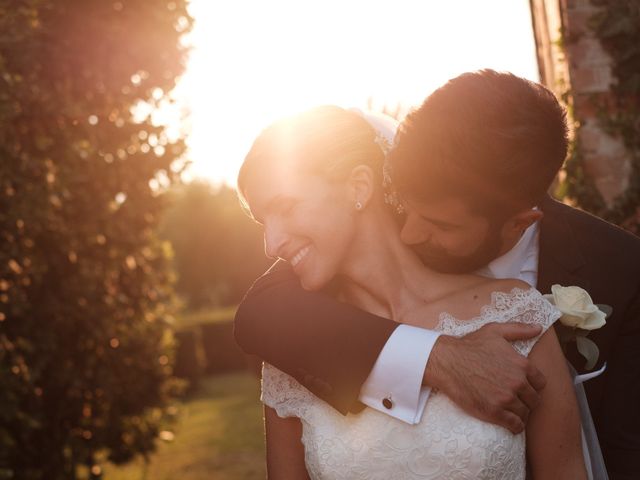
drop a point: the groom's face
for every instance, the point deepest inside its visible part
(449, 237)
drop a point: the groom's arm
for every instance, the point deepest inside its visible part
(484, 375)
(334, 349)
(329, 347)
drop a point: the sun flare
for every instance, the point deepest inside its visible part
(253, 61)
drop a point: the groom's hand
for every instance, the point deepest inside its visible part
(485, 376)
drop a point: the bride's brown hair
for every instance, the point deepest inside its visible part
(328, 141)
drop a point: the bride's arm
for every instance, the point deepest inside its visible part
(285, 452)
(554, 448)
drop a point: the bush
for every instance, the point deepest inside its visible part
(190, 362)
(84, 283)
(222, 352)
(219, 250)
(209, 343)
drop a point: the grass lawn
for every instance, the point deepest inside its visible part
(215, 315)
(218, 436)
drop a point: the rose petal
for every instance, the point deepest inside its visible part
(597, 320)
(577, 307)
(570, 320)
(606, 309)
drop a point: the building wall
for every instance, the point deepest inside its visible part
(575, 66)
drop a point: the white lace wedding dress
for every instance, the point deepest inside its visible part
(446, 444)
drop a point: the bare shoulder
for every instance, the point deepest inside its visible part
(506, 285)
(484, 290)
(477, 292)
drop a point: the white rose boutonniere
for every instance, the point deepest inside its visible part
(578, 310)
(580, 315)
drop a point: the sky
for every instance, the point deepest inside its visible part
(254, 61)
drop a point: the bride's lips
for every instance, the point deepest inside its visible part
(300, 255)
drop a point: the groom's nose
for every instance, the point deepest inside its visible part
(415, 230)
(274, 240)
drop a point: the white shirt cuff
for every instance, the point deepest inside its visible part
(394, 385)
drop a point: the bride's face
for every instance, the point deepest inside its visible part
(308, 221)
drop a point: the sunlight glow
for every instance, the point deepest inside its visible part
(253, 61)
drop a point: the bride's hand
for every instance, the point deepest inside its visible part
(485, 376)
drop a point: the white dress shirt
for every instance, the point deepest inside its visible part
(394, 385)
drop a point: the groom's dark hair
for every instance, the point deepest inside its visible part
(493, 139)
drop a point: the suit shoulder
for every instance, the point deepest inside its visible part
(592, 229)
(278, 274)
(610, 251)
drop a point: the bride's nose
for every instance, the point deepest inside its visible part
(275, 238)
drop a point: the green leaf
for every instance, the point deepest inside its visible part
(589, 350)
(606, 309)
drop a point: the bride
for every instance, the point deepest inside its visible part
(314, 181)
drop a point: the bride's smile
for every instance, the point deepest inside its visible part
(306, 220)
(297, 258)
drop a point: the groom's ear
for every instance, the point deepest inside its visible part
(518, 223)
(361, 184)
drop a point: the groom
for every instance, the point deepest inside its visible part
(472, 166)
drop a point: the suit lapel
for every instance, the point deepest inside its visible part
(560, 257)
(560, 261)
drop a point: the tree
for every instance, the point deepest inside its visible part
(84, 283)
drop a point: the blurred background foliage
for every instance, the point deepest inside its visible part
(207, 227)
(98, 234)
(85, 284)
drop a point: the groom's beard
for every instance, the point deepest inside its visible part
(439, 260)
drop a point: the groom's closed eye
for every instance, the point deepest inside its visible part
(444, 226)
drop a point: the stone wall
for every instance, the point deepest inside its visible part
(575, 66)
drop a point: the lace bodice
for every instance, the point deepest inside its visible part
(446, 444)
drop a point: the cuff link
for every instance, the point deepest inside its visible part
(387, 403)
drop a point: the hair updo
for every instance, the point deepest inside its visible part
(328, 141)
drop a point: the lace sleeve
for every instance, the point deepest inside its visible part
(283, 393)
(525, 306)
(532, 308)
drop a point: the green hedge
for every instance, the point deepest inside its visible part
(207, 344)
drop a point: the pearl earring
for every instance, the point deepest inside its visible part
(358, 205)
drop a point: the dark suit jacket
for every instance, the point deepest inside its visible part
(330, 347)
